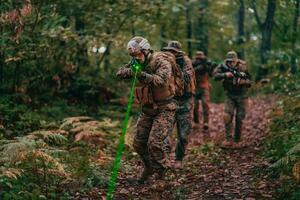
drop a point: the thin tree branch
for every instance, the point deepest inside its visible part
(259, 23)
(36, 17)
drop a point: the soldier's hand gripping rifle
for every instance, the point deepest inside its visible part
(135, 66)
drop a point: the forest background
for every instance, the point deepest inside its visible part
(58, 60)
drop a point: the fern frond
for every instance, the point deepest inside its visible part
(10, 173)
(284, 162)
(294, 150)
(56, 139)
(52, 137)
(16, 150)
(48, 160)
(68, 123)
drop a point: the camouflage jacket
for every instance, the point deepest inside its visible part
(155, 82)
(203, 69)
(233, 86)
(186, 67)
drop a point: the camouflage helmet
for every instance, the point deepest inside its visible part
(231, 55)
(174, 46)
(199, 53)
(138, 44)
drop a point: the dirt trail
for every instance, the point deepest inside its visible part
(209, 171)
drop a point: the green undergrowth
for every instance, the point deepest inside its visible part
(282, 146)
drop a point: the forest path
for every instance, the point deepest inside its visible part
(211, 172)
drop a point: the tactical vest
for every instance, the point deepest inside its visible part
(149, 94)
(237, 89)
(190, 87)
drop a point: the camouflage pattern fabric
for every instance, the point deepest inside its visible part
(188, 74)
(184, 125)
(151, 137)
(234, 107)
(203, 69)
(236, 98)
(156, 120)
(183, 115)
(203, 95)
(230, 85)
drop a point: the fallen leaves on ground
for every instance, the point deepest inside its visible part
(209, 171)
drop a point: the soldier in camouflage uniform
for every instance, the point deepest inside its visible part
(185, 102)
(236, 84)
(203, 69)
(155, 91)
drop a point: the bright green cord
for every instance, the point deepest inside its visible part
(115, 170)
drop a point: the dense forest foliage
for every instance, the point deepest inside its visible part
(61, 105)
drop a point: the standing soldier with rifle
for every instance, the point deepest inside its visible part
(159, 80)
(203, 69)
(236, 81)
(183, 115)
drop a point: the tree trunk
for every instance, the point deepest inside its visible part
(162, 30)
(189, 28)
(266, 33)
(132, 28)
(16, 77)
(106, 63)
(2, 59)
(201, 28)
(241, 29)
(1, 67)
(107, 54)
(294, 37)
(163, 36)
(82, 57)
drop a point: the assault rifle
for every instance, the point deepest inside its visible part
(235, 72)
(135, 65)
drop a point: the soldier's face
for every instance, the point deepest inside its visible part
(139, 56)
(200, 56)
(232, 63)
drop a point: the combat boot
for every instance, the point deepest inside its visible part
(227, 143)
(146, 173)
(205, 126)
(178, 164)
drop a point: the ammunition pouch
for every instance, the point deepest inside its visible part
(143, 95)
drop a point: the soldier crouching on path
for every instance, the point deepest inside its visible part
(203, 69)
(184, 112)
(236, 81)
(155, 91)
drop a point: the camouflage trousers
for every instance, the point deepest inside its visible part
(151, 137)
(234, 107)
(183, 119)
(203, 95)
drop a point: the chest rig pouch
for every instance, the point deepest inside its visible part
(143, 95)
